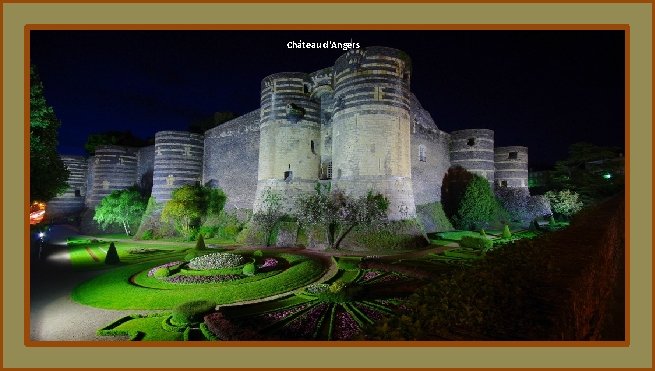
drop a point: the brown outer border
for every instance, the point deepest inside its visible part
(30, 343)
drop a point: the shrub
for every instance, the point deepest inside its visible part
(200, 244)
(112, 255)
(191, 312)
(258, 254)
(480, 243)
(191, 255)
(249, 269)
(483, 233)
(225, 329)
(565, 203)
(147, 235)
(478, 206)
(506, 232)
(217, 261)
(161, 273)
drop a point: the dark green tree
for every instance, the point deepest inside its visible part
(48, 174)
(478, 206)
(124, 208)
(112, 257)
(595, 172)
(119, 138)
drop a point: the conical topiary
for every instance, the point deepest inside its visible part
(112, 255)
(200, 244)
(506, 232)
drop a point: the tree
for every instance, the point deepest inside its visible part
(452, 189)
(340, 213)
(48, 174)
(119, 138)
(124, 207)
(565, 203)
(270, 215)
(478, 205)
(190, 203)
(112, 257)
(594, 172)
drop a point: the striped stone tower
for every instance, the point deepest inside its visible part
(113, 168)
(178, 162)
(371, 127)
(289, 141)
(72, 201)
(473, 149)
(511, 167)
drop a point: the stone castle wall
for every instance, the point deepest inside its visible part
(355, 125)
(231, 159)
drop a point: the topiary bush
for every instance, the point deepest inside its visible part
(249, 269)
(191, 255)
(480, 243)
(200, 244)
(191, 312)
(478, 206)
(161, 273)
(112, 255)
(258, 254)
(506, 232)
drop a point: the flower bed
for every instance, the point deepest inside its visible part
(345, 327)
(217, 261)
(306, 325)
(151, 272)
(191, 280)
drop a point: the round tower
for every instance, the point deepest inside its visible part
(72, 201)
(178, 162)
(289, 139)
(511, 166)
(371, 127)
(473, 149)
(114, 168)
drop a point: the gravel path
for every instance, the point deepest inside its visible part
(53, 315)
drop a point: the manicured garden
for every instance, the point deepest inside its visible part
(337, 309)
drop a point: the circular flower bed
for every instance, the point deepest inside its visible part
(217, 261)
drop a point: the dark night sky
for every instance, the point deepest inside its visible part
(541, 89)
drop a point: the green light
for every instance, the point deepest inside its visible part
(607, 175)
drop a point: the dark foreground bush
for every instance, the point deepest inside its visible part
(225, 329)
(538, 289)
(191, 312)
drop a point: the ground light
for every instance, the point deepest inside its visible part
(607, 175)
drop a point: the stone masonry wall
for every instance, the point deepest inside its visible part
(231, 158)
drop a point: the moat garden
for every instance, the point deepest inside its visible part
(220, 290)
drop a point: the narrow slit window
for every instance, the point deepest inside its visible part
(503, 183)
(329, 170)
(513, 156)
(421, 153)
(288, 175)
(78, 193)
(312, 146)
(471, 142)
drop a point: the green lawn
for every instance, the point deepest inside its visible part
(113, 290)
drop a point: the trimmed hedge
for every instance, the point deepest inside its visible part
(191, 312)
(480, 243)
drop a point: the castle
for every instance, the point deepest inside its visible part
(355, 125)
